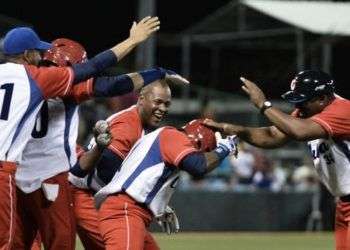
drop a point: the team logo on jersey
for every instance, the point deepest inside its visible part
(293, 84)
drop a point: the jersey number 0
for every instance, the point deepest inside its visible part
(41, 123)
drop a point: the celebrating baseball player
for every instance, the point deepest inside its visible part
(143, 186)
(321, 118)
(26, 86)
(126, 127)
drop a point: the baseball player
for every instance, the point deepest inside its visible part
(24, 87)
(126, 127)
(58, 122)
(147, 178)
(321, 118)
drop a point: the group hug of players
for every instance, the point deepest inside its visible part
(108, 193)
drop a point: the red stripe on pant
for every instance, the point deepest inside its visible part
(123, 224)
(87, 219)
(342, 226)
(7, 204)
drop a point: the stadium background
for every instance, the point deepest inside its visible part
(281, 192)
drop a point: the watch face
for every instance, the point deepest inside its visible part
(267, 104)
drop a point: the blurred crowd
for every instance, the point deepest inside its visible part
(253, 170)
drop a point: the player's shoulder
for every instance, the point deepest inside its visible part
(10, 66)
(340, 106)
(11, 69)
(32, 69)
(173, 133)
(48, 70)
(125, 115)
(127, 120)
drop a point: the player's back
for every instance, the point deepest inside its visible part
(144, 176)
(51, 147)
(20, 100)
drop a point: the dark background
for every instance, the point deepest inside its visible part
(101, 24)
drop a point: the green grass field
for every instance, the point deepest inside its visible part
(245, 241)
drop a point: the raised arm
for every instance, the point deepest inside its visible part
(122, 84)
(293, 127)
(139, 32)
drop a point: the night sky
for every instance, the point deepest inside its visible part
(101, 24)
(98, 25)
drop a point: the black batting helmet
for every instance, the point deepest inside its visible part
(309, 84)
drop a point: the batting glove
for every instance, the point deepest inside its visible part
(102, 135)
(226, 146)
(174, 77)
(169, 221)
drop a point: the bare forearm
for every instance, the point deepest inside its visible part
(295, 128)
(212, 160)
(263, 137)
(124, 48)
(88, 160)
(284, 122)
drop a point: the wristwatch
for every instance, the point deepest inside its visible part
(266, 105)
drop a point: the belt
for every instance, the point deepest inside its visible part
(345, 198)
(8, 166)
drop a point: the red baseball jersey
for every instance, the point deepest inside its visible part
(331, 156)
(150, 172)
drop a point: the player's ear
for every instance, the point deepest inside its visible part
(32, 56)
(27, 55)
(140, 99)
(322, 99)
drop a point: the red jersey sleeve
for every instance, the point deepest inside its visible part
(125, 133)
(52, 81)
(82, 91)
(335, 118)
(174, 145)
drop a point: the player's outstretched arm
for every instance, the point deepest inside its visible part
(264, 137)
(122, 84)
(139, 32)
(294, 127)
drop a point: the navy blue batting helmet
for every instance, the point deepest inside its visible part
(309, 84)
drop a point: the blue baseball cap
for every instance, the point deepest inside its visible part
(18, 40)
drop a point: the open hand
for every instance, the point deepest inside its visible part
(142, 30)
(255, 94)
(214, 125)
(222, 127)
(174, 77)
